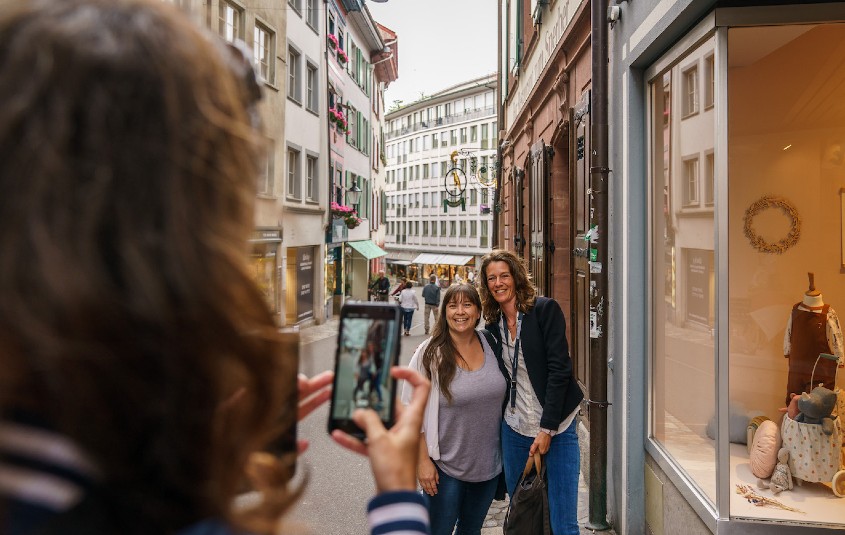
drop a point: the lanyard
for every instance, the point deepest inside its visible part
(515, 360)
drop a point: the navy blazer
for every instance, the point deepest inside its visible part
(546, 353)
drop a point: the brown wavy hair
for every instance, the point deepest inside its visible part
(441, 351)
(128, 314)
(526, 292)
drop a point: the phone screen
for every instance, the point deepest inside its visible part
(367, 347)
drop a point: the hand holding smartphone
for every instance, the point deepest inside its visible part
(368, 343)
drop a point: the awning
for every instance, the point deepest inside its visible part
(454, 260)
(426, 258)
(397, 261)
(449, 259)
(368, 249)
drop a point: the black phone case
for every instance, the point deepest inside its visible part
(375, 311)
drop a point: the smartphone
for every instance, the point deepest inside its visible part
(368, 343)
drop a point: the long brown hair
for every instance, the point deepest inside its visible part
(524, 288)
(128, 315)
(441, 351)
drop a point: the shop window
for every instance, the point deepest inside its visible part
(790, 134)
(683, 352)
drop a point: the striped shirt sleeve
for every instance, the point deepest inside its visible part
(398, 513)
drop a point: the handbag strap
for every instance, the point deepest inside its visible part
(536, 461)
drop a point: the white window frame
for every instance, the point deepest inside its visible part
(294, 173)
(294, 74)
(264, 53)
(230, 20)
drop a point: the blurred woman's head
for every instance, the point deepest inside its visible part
(127, 161)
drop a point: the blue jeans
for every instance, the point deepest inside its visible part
(407, 316)
(562, 465)
(459, 502)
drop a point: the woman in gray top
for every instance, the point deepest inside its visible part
(460, 455)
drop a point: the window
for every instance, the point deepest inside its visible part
(425, 228)
(483, 240)
(484, 141)
(425, 199)
(709, 81)
(691, 182)
(690, 91)
(434, 173)
(463, 135)
(473, 134)
(484, 194)
(296, 5)
(294, 183)
(443, 168)
(263, 50)
(265, 174)
(494, 136)
(709, 177)
(434, 228)
(463, 229)
(453, 137)
(473, 228)
(352, 124)
(473, 197)
(229, 21)
(312, 16)
(425, 170)
(294, 75)
(442, 228)
(682, 277)
(312, 84)
(311, 178)
(452, 228)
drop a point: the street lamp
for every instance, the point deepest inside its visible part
(353, 195)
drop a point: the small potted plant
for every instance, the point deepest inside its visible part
(347, 213)
(341, 56)
(333, 44)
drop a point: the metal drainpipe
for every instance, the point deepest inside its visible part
(599, 184)
(497, 191)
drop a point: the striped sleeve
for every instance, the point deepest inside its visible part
(398, 513)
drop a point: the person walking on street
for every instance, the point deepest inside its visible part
(399, 287)
(460, 459)
(431, 296)
(380, 287)
(409, 303)
(530, 334)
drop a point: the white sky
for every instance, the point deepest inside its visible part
(441, 43)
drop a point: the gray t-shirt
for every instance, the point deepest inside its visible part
(469, 427)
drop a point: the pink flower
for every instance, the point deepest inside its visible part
(333, 41)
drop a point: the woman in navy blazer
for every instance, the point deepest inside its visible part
(543, 397)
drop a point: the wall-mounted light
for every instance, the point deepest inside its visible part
(353, 194)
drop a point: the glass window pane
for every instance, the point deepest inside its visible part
(683, 279)
(786, 135)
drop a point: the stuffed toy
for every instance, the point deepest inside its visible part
(815, 408)
(782, 476)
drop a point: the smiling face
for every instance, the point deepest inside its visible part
(462, 314)
(500, 282)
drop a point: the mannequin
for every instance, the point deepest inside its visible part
(812, 328)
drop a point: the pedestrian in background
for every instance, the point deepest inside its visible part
(380, 287)
(409, 303)
(460, 458)
(399, 287)
(431, 297)
(142, 371)
(530, 333)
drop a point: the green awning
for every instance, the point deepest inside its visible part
(368, 249)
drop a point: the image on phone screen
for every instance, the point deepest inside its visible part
(368, 343)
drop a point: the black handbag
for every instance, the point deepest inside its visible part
(528, 512)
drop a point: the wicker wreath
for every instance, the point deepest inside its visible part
(782, 245)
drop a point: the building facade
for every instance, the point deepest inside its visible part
(261, 27)
(726, 151)
(304, 191)
(354, 43)
(440, 154)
